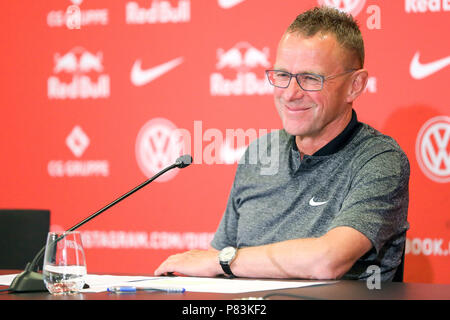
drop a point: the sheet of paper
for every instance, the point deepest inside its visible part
(97, 282)
(198, 284)
(6, 279)
(100, 283)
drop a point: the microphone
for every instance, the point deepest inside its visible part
(32, 281)
(183, 161)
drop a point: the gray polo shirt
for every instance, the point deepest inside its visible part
(359, 179)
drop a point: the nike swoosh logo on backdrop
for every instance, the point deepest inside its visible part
(315, 204)
(420, 70)
(141, 77)
(227, 4)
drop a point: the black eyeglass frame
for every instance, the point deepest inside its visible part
(322, 78)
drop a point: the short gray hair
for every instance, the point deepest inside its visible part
(330, 20)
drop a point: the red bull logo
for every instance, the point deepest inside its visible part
(67, 63)
(81, 64)
(243, 58)
(87, 62)
(160, 11)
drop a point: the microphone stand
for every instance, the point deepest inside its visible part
(32, 281)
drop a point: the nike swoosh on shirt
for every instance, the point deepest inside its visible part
(420, 70)
(141, 77)
(227, 4)
(315, 204)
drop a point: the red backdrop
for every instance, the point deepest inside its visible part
(90, 91)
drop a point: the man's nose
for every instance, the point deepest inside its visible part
(293, 91)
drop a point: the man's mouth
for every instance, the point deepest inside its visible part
(297, 108)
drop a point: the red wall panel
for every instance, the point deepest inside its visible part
(83, 109)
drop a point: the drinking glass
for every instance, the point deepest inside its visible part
(64, 263)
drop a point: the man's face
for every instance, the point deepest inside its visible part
(311, 113)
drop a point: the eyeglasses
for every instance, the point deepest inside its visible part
(306, 81)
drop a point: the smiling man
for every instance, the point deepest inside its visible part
(338, 203)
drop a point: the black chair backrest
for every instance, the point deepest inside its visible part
(23, 233)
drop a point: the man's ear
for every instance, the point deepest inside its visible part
(358, 84)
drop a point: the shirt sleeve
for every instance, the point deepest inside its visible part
(227, 231)
(377, 202)
(226, 234)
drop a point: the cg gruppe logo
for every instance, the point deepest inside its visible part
(433, 149)
(78, 141)
(74, 17)
(237, 70)
(158, 145)
(352, 7)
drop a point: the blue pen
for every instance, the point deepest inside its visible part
(126, 289)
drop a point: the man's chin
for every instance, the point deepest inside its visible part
(294, 130)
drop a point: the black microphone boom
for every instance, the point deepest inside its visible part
(32, 281)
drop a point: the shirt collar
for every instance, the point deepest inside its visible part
(340, 141)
